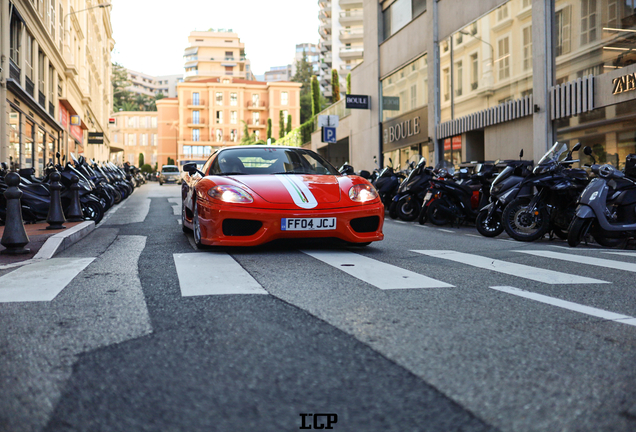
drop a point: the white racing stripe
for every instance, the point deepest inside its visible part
(298, 191)
(580, 259)
(376, 273)
(599, 313)
(41, 281)
(527, 272)
(213, 273)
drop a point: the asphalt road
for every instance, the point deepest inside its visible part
(430, 330)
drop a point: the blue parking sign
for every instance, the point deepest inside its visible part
(329, 134)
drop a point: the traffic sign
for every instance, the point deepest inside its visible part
(329, 135)
(328, 121)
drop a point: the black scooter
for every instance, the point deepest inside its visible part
(408, 200)
(387, 184)
(607, 207)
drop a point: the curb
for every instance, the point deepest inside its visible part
(57, 243)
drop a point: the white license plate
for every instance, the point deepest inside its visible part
(307, 224)
(428, 196)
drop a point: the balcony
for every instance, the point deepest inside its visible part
(257, 124)
(198, 104)
(350, 17)
(327, 59)
(349, 4)
(324, 31)
(199, 124)
(347, 36)
(255, 105)
(351, 53)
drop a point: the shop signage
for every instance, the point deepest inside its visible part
(96, 137)
(390, 103)
(75, 120)
(624, 84)
(64, 120)
(456, 143)
(357, 101)
(111, 120)
(402, 130)
(408, 129)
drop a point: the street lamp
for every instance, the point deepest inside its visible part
(464, 32)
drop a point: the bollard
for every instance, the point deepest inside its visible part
(14, 237)
(55, 217)
(74, 212)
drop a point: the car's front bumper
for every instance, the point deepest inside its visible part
(211, 223)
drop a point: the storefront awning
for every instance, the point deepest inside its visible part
(116, 149)
(72, 111)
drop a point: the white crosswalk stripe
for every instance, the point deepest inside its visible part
(628, 254)
(513, 269)
(41, 281)
(379, 274)
(599, 313)
(213, 273)
(581, 259)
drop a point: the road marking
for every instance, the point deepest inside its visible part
(400, 222)
(581, 259)
(176, 208)
(475, 235)
(599, 313)
(628, 254)
(213, 273)
(381, 275)
(179, 221)
(509, 241)
(40, 281)
(444, 230)
(421, 226)
(527, 272)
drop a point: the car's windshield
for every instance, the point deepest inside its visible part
(270, 160)
(170, 170)
(555, 153)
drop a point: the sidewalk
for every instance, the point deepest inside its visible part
(46, 243)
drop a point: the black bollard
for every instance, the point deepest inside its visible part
(14, 237)
(55, 217)
(74, 212)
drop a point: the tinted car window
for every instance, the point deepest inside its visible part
(270, 160)
(170, 170)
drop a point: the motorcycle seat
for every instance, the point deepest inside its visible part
(40, 189)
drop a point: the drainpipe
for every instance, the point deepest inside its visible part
(4, 75)
(439, 154)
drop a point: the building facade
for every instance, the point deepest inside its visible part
(55, 80)
(278, 73)
(341, 45)
(136, 132)
(313, 57)
(213, 113)
(213, 54)
(505, 75)
(150, 85)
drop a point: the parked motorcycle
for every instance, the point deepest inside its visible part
(387, 183)
(607, 207)
(408, 200)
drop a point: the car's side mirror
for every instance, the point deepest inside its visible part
(190, 168)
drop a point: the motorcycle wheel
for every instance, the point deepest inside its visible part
(522, 226)
(407, 208)
(423, 216)
(93, 211)
(393, 214)
(492, 228)
(576, 231)
(116, 195)
(436, 215)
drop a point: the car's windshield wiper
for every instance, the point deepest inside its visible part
(232, 173)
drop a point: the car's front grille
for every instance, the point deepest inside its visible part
(365, 224)
(241, 227)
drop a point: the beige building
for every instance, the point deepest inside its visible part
(135, 132)
(212, 54)
(55, 81)
(212, 113)
(150, 85)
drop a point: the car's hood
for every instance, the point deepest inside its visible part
(305, 191)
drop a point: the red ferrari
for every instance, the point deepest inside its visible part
(250, 195)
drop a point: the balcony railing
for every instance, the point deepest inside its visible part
(14, 71)
(197, 102)
(42, 100)
(255, 105)
(51, 109)
(29, 85)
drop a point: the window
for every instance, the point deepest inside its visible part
(413, 95)
(526, 4)
(257, 134)
(588, 21)
(256, 117)
(285, 117)
(196, 135)
(233, 99)
(132, 139)
(153, 139)
(15, 40)
(562, 23)
(52, 17)
(219, 117)
(612, 14)
(503, 58)
(233, 135)
(284, 98)
(61, 29)
(219, 135)
(144, 139)
(229, 70)
(502, 13)
(405, 89)
(527, 48)
(474, 72)
(195, 98)
(233, 117)
(255, 98)
(153, 122)
(446, 84)
(51, 84)
(400, 13)
(219, 98)
(459, 74)
(229, 55)
(187, 150)
(28, 56)
(196, 117)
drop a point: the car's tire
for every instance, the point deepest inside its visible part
(578, 227)
(196, 228)
(408, 207)
(393, 210)
(184, 228)
(493, 228)
(160, 183)
(520, 225)
(436, 215)
(93, 211)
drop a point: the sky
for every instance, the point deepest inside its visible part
(150, 36)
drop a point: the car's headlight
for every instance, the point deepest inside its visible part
(362, 193)
(230, 194)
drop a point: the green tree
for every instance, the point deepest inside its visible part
(120, 82)
(269, 128)
(170, 161)
(349, 83)
(304, 71)
(305, 107)
(281, 124)
(247, 139)
(146, 168)
(335, 86)
(289, 121)
(315, 96)
(141, 159)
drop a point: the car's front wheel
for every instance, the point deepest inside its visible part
(184, 228)
(196, 227)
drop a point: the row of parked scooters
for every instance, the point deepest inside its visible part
(100, 187)
(526, 201)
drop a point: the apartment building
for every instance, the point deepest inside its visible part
(212, 113)
(216, 53)
(150, 85)
(505, 75)
(313, 56)
(279, 73)
(136, 132)
(55, 80)
(341, 33)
